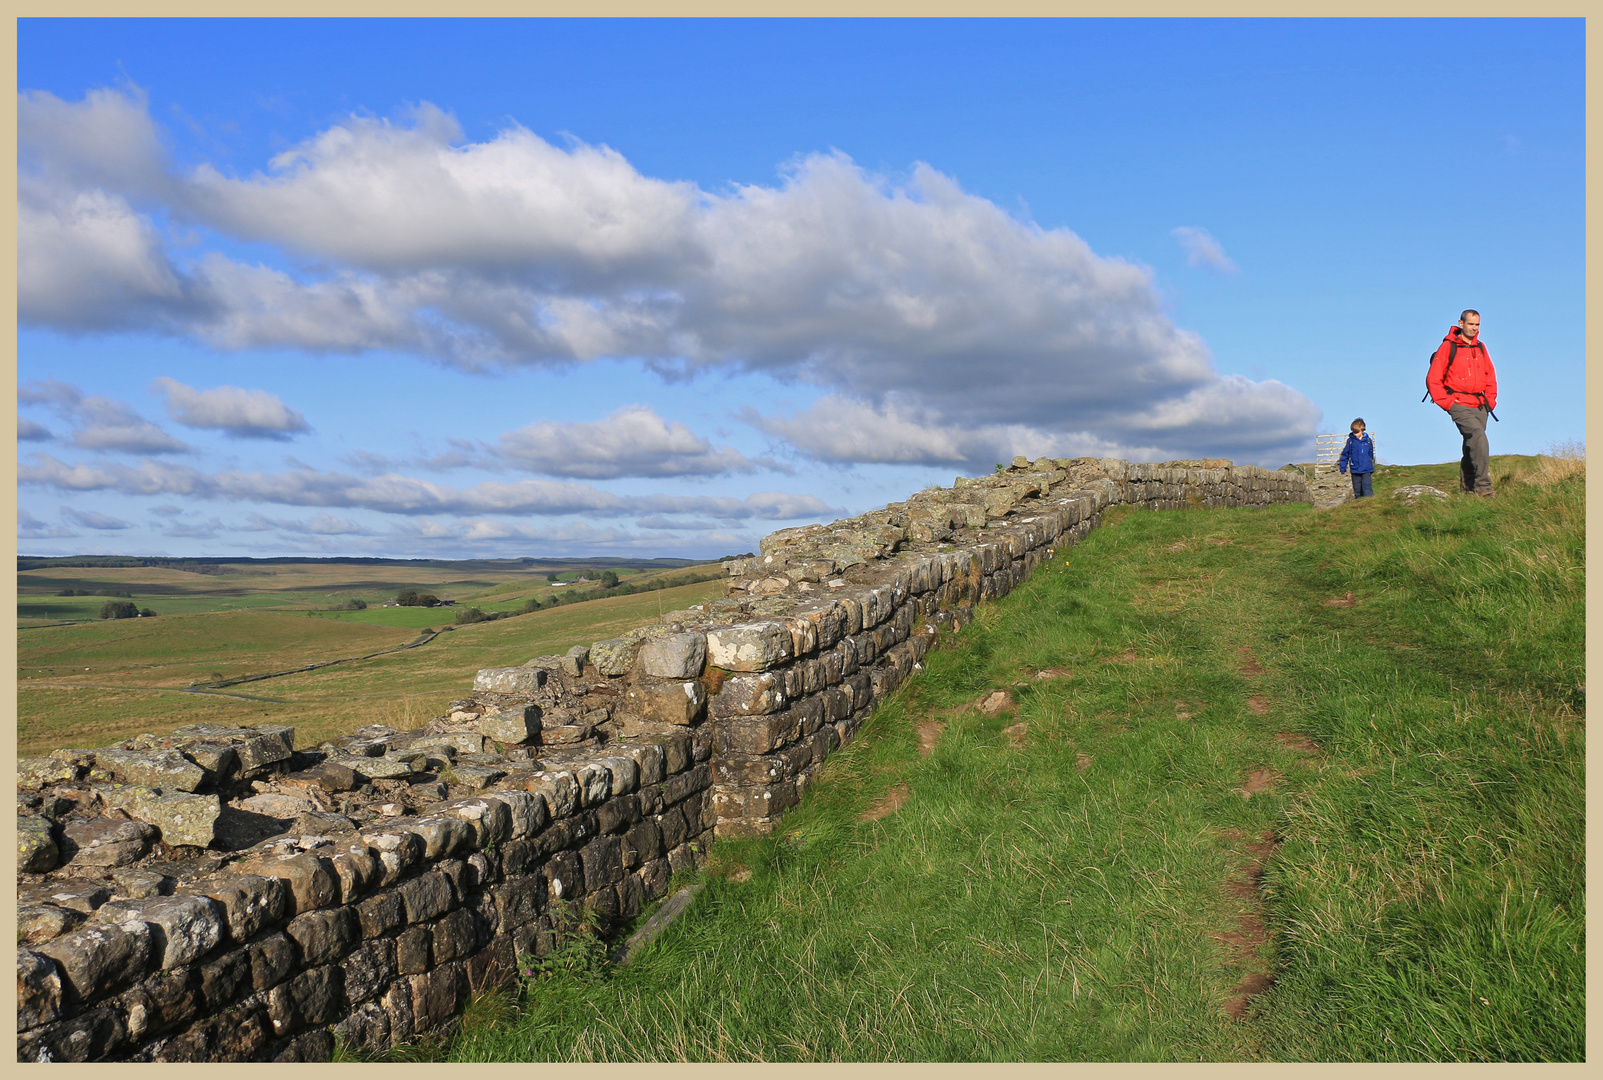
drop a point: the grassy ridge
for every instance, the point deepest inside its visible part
(1063, 889)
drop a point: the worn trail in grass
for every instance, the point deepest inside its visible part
(1226, 797)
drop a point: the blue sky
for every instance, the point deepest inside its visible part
(525, 287)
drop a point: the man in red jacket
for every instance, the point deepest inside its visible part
(1463, 381)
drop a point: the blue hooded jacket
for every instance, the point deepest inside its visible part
(1358, 454)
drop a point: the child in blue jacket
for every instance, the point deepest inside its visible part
(1359, 455)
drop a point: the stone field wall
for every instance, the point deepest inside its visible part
(219, 895)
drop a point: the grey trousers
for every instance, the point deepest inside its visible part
(1475, 470)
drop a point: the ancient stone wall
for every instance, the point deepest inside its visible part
(217, 894)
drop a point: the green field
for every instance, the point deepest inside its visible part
(91, 683)
(304, 586)
(1380, 706)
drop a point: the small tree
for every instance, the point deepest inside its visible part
(552, 577)
(608, 579)
(118, 609)
(146, 613)
(406, 598)
(471, 615)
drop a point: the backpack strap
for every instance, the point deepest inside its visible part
(1452, 354)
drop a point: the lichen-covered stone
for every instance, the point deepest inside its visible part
(510, 680)
(517, 725)
(755, 646)
(166, 769)
(180, 817)
(667, 702)
(185, 928)
(106, 842)
(37, 851)
(614, 656)
(674, 656)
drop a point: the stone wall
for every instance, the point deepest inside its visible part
(217, 894)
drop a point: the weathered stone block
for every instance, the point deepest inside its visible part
(510, 680)
(38, 990)
(106, 842)
(36, 773)
(518, 724)
(310, 879)
(91, 1036)
(675, 656)
(165, 769)
(442, 836)
(595, 784)
(397, 850)
(665, 702)
(183, 928)
(324, 936)
(100, 959)
(224, 980)
(749, 695)
(412, 948)
(615, 656)
(437, 994)
(381, 914)
(272, 960)
(755, 646)
(617, 813)
(36, 847)
(427, 896)
(180, 818)
(489, 818)
(455, 936)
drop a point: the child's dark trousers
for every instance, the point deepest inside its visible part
(1362, 485)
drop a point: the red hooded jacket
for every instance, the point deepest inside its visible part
(1472, 380)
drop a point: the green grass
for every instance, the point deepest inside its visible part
(1067, 897)
(137, 666)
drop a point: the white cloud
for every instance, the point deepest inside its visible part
(633, 441)
(89, 519)
(402, 495)
(31, 528)
(928, 306)
(32, 431)
(1202, 249)
(102, 423)
(319, 525)
(238, 412)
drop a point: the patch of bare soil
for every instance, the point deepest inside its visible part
(1212, 540)
(1247, 938)
(1345, 600)
(1300, 743)
(1082, 762)
(892, 802)
(1016, 734)
(997, 702)
(929, 733)
(1258, 704)
(1178, 545)
(1182, 709)
(1126, 657)
(1249, 663)
(1258, 780)
(1054, 673)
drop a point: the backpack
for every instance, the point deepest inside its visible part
(1452, 354)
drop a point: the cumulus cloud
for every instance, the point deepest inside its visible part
(633, 441)
(102, 423)
(396, 494)
(31, 528)
(32, 431)
(1202, 249)
(89, 519)
(908, 296)
(242, 413)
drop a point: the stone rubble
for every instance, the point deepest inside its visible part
(218, 894)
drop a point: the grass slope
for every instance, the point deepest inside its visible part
(1065, 880)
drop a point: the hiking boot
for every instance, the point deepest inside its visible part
(1487, 494)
